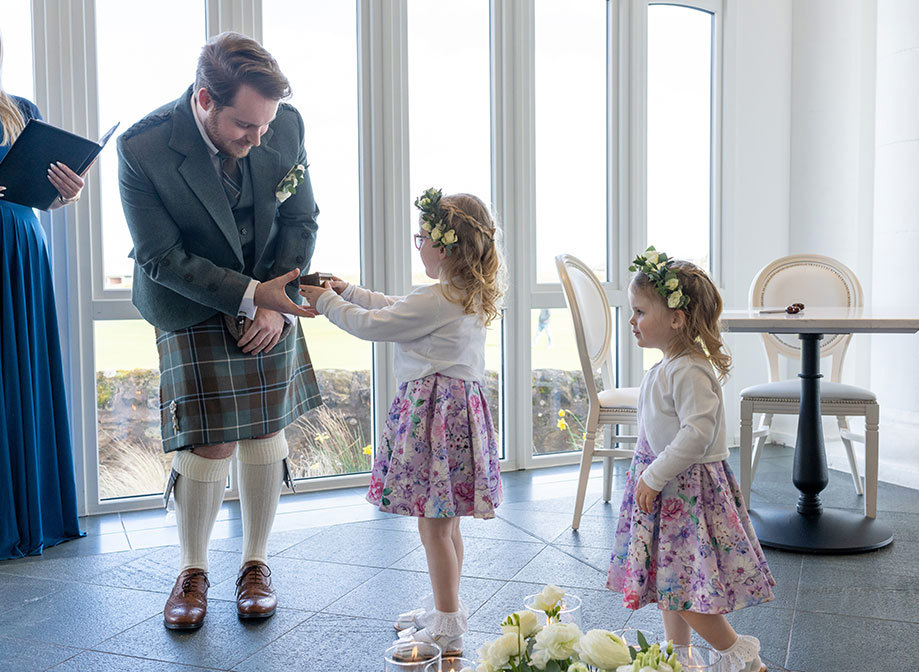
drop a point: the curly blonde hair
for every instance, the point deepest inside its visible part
(473, 275)
(700, 334)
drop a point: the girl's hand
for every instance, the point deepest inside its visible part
(338, 285)
(645, 496)
(312, 293)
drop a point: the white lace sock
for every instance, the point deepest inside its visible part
(261, 471)
(449, 624)
(742, 655)
(198, 494)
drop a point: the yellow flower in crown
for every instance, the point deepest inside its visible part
(433, 220)
(656, 267)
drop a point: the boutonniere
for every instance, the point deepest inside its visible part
(291, 181)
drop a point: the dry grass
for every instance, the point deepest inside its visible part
(128, 469)
(324, 443)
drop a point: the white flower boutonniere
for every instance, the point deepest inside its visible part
(291, 181)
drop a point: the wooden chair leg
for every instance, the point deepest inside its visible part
(746, 449)
(760, 442)
(871, 460)
(608, 442)
(587, 457)
(843, 423)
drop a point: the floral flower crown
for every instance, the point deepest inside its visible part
(433, 220)
(656, 266)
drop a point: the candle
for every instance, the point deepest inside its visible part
(410, 656)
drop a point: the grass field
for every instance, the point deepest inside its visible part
(129, 344)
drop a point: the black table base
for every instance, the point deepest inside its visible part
(809, 528)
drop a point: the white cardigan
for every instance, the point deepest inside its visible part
(681, 411)
(432, 334)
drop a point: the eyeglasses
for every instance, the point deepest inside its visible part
(419, 240)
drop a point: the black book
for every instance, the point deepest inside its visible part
(24, 169)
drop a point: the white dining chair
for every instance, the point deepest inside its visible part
(610, 406)
(815, 281)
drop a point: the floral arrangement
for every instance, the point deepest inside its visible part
(288, 186)
(656, 266)
(433, 221)
(527, 645)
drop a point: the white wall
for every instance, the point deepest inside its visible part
(757, 127)
(895, 358)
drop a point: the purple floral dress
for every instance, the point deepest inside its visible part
(696, 551)
(439, 454)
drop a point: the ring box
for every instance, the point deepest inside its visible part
(316, 279)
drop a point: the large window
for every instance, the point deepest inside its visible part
(16, 35)
(680, 70)
(571, 135)
(139, 69)
(315, 44)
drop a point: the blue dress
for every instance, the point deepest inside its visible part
(38, 504)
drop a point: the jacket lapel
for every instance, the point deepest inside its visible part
(265, 169)
(198, 172)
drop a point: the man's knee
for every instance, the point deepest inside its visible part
(215, 451)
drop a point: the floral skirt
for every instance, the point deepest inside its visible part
(438, 457)
(696, 551)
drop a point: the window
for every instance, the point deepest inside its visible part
(571, 134)
(146, 56)
(315, 43)
(680, 71)
(449, 102)
(17, 66)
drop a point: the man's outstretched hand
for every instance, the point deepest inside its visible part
(270, 294)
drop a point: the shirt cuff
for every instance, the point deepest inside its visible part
(247, 306)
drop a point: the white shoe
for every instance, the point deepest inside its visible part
(450, 646)
(417, 618)
(743, 656)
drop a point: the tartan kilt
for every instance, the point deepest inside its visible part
(212, 392)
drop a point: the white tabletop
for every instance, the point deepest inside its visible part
(818, 320)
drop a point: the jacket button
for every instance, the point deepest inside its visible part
(299, 259)
(164, 263)
(189, 277)
(244, 231)
(212, 287)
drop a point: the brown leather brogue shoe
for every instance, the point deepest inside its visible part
(187, 603)
(255, 597)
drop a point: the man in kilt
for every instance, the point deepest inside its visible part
(220, 207)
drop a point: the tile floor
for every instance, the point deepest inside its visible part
(343, 570)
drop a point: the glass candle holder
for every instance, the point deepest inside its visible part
(630, 636)
(697, 658)
(451, 664)
(570, 612)
(410, 656)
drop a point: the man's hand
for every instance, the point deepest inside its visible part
(271, 295)
(312, 293)
(262, 333)
(645, 496)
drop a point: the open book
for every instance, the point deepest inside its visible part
(24, 169)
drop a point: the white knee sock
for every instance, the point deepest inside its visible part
(198, 494)
(260, 474)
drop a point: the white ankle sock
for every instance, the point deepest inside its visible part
(742, 655)
(260, 474)
(198, 495)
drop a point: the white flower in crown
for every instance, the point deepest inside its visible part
(673, 301)
(288, 186)
(437, 233)
(449, 237)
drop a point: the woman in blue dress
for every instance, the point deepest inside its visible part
(38, 504)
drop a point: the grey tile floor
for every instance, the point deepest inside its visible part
(343, 570)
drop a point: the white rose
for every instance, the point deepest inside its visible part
(282, 196)
(450, 237)
(673, 301)
(603, 649)
(622, 668)
(548, 598)
(436, 233)
(503, 649)
(672, 283)
(539, 659)
(578, 667)
(529, 623)
(426, 226)
(651, 256)
(558, 639)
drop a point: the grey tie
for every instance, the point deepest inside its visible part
(230, 177)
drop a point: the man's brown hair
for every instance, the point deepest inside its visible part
(230, 60)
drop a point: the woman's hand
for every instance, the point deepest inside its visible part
(312, 293)
(68, 184)
(645, 496)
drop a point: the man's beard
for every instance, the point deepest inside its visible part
(229, 148)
